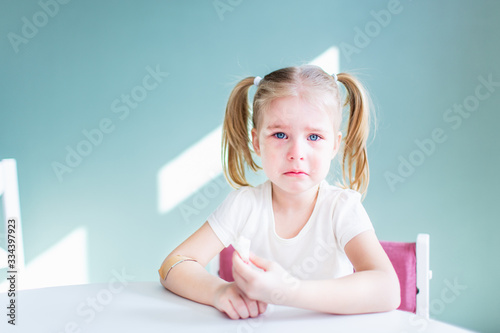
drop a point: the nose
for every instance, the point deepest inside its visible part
(296, 150)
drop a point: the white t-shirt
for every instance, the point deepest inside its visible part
(317, 252)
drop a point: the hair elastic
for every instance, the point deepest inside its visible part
(335, 77)
(256, 81)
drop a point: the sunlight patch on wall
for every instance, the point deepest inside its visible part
(328, 60)
(190, 171)
(64, 263)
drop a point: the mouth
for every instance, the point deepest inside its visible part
(295, 173)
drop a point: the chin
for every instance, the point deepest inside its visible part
(295, 187)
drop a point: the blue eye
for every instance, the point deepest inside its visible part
(280, 135)
(314, 137)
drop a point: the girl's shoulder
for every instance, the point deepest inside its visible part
(343, 205)
(337, 191)
(251, 192)
(338, 196)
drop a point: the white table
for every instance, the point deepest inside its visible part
(147, 307)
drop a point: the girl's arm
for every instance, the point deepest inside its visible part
(373, 288)
(189, 279)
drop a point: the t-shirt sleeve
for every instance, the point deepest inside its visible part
(349, 218)
(227, 220)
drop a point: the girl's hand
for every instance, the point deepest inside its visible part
(230, 300)
(272, 284)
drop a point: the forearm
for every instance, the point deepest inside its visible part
(190, 280)
(361, 292)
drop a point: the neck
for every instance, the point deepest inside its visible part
(290, 202)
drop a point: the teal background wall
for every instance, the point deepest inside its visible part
(421, 66)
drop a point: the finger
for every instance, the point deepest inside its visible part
(236, 253)
(252, 306)
(244, 277)
(241, 268)
(239, 280)
(262, 306)
(260, 262)
(240, 307)
(237, 258)
(231, 312)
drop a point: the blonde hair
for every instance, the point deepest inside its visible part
(312, 83)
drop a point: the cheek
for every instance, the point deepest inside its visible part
(321, 161)
(270, 149)
(269, 156)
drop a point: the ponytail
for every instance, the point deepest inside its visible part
(355, 171)
(235, 137)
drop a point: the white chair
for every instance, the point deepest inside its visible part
(424, 274)
(9, 191)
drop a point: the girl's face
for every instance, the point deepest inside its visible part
(296, 142)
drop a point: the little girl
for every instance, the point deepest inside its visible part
(306, 235)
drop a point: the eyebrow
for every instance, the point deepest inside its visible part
(277, 126)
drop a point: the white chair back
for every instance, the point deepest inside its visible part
(424, 274)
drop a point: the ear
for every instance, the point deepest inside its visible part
(255, 142)
(336, 144)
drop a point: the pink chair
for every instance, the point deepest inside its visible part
(411, 263)
(410, 260)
